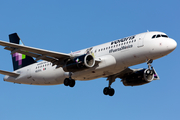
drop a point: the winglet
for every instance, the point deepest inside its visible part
(9, 73)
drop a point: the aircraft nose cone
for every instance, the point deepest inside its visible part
(172, 44)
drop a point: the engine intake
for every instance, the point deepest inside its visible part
(79, 63)
(139, 77)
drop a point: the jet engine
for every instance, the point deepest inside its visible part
(79, 63)
(139, 77)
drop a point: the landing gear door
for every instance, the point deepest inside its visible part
(141, 40)
(156, 76)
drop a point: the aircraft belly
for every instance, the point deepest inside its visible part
(90, 75)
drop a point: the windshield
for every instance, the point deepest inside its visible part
(159, 35)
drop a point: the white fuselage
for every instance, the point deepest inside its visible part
(113, 57)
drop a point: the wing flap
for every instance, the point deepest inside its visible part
(9, 73)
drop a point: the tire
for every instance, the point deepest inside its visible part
(72, 83)
(111, 92)
(106, 91)
(66, 81)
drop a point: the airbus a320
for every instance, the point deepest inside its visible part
(110, 60)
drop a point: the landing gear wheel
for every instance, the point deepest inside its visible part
(108, 91)
(111, 92)
(72, 83)
(69, 82)
(66, 81)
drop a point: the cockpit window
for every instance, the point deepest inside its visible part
(153, 36)
(164, 36)
(158, 36)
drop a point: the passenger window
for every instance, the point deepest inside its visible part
(153, 36)
(158, 36)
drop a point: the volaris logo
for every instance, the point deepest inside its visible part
(19, 57)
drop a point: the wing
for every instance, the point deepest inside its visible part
(124, 73)
(9, 73)
(51, 56)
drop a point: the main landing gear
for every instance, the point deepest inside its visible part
(108, 90)
(69, 81)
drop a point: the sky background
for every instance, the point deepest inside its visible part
(66, 26)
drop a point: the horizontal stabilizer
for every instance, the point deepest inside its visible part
(9, 73)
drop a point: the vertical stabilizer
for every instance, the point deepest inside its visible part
(19, 60)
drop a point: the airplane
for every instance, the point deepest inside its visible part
(111, 60)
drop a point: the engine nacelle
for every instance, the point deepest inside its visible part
(79, 63)
(139, 77)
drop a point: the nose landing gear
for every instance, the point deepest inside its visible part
(150, 70)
